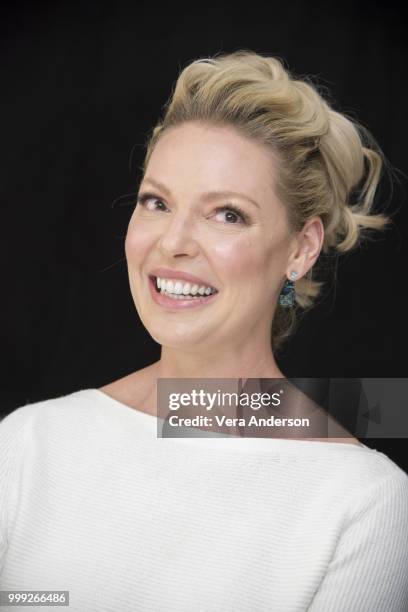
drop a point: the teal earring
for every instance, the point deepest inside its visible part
(287, 295)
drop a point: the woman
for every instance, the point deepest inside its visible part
(249, 176)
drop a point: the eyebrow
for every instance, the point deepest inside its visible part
(210, 195)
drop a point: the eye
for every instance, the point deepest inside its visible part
(234, 215)
(143, 200)
(235, 212)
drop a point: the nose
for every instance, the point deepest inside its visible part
(177, 237)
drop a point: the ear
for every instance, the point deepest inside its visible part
(307, 246)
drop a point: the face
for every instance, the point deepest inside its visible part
(178, 225)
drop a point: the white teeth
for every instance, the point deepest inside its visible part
(178, 288)
(174, 296)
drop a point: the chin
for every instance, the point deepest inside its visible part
(180, 339)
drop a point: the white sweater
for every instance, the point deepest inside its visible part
(92, 502)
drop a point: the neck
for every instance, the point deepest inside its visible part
(228, 363)
(231, 364)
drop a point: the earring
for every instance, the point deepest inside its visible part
(287, 295)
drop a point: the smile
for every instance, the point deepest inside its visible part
(176, 295)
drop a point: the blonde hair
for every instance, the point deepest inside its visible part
(329, 165)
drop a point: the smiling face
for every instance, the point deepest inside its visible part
(180, 227)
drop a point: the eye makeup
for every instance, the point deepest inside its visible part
(142, 199)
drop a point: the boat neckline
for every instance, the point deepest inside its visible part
(153, 421)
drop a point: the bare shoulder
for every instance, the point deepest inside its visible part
(351, 440)
(132, 388)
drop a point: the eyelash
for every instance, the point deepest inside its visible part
(142, 199)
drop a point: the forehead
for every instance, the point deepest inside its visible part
(218, 157)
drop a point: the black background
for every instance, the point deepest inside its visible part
(82, 84)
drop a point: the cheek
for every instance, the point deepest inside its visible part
(254, 262)
(137, 241)
(238, 258)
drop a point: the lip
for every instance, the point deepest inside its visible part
(174, 304)
(188, 278)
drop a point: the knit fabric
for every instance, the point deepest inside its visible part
(94, 503)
